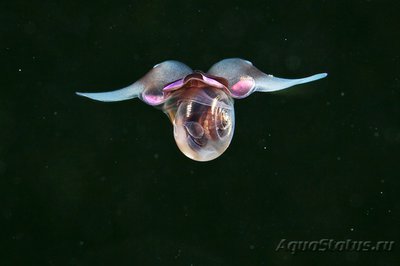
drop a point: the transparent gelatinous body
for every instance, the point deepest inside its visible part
(200, 105)
(203, 119)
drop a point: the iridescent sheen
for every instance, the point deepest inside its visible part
(200, 106)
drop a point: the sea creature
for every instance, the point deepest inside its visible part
(200, 105)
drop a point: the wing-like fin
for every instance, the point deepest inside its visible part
(244, 78)
(126, 93)
(271, 83)
(149, 88)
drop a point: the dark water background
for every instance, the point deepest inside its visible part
(89, 183)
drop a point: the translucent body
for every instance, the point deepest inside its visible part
(200, 105)
(203, 119)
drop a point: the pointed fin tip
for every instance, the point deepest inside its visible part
(102, 97)
(312, 78)
(320, 75)
(84, 94)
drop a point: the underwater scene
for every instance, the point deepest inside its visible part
(200, 133)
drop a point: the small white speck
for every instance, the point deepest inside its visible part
(55, 113)
(285, 39)
(342, 93)
(265, 147)
(352, 229)
(19, 70)
(389, 211)
(381, 192)
(338, 158)
(179, 253)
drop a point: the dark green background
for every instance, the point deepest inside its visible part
(89, 183)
